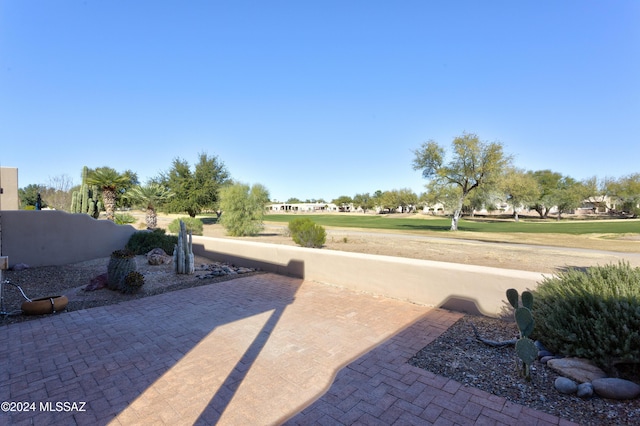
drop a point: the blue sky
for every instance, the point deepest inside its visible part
(316, 99)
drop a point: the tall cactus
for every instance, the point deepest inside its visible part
(84, 200)
(525, 347)
(183, 252)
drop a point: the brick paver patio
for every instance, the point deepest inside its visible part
(264, 349)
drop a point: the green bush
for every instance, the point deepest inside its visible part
(243, 208)
(306, 233)
(193, 224)
(124, 219)
(142, 242)
(297, 223)
(593, 314)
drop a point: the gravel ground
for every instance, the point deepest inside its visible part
(70, 280)
(459, 356)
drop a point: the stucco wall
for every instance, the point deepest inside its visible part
(49, 237)
(9, 199)
(466, 288)
(40, 238)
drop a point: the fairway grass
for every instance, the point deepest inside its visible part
(608, 235)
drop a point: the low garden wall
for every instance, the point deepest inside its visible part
(43, 238)
(50, 237)
(466, 288)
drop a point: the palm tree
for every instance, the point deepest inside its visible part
(109, 181)
(150, 196)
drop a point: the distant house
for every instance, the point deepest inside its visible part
(303, 207)
(597, 204)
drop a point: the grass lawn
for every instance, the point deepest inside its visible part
(419, 224)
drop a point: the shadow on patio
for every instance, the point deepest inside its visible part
(254, 350)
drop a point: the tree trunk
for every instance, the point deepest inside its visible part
(109, 199)
(151, 219)
(456, 214)
(454, 220)
(515, 215)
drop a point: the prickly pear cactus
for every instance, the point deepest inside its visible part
(528, 352)
(527, 299)
(525, 348)
(512, 297)
(524, 320)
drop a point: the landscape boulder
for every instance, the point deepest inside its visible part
(157, 256)
(566, 386)
(614, 388)
(578, 369)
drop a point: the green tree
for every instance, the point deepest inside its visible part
(389, 200)
(150, 197)
(446, 195)
(377, 198)
(243, 208)
(474, 164)
(195, 190)
(405, 199)
(480, 199)
(569, 195)
(520, 189)
(343, 201)
(131, 181)
(110, 182)
(364, 201)
(28, 195)
(293, 200)
(548, 182)
(408, 199)
(626, 191)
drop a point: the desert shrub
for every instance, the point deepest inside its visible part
(297, 223)
(141, 242)
(593, 314)
(124, 219)
(193, 224)
(243, 208)
(306, 233)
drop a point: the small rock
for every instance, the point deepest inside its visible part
(566, 386)
(613, 388)
(546, 359)
(543, 353)
(578, 369)
(97, 283)
(20, 267)
(585, 390)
